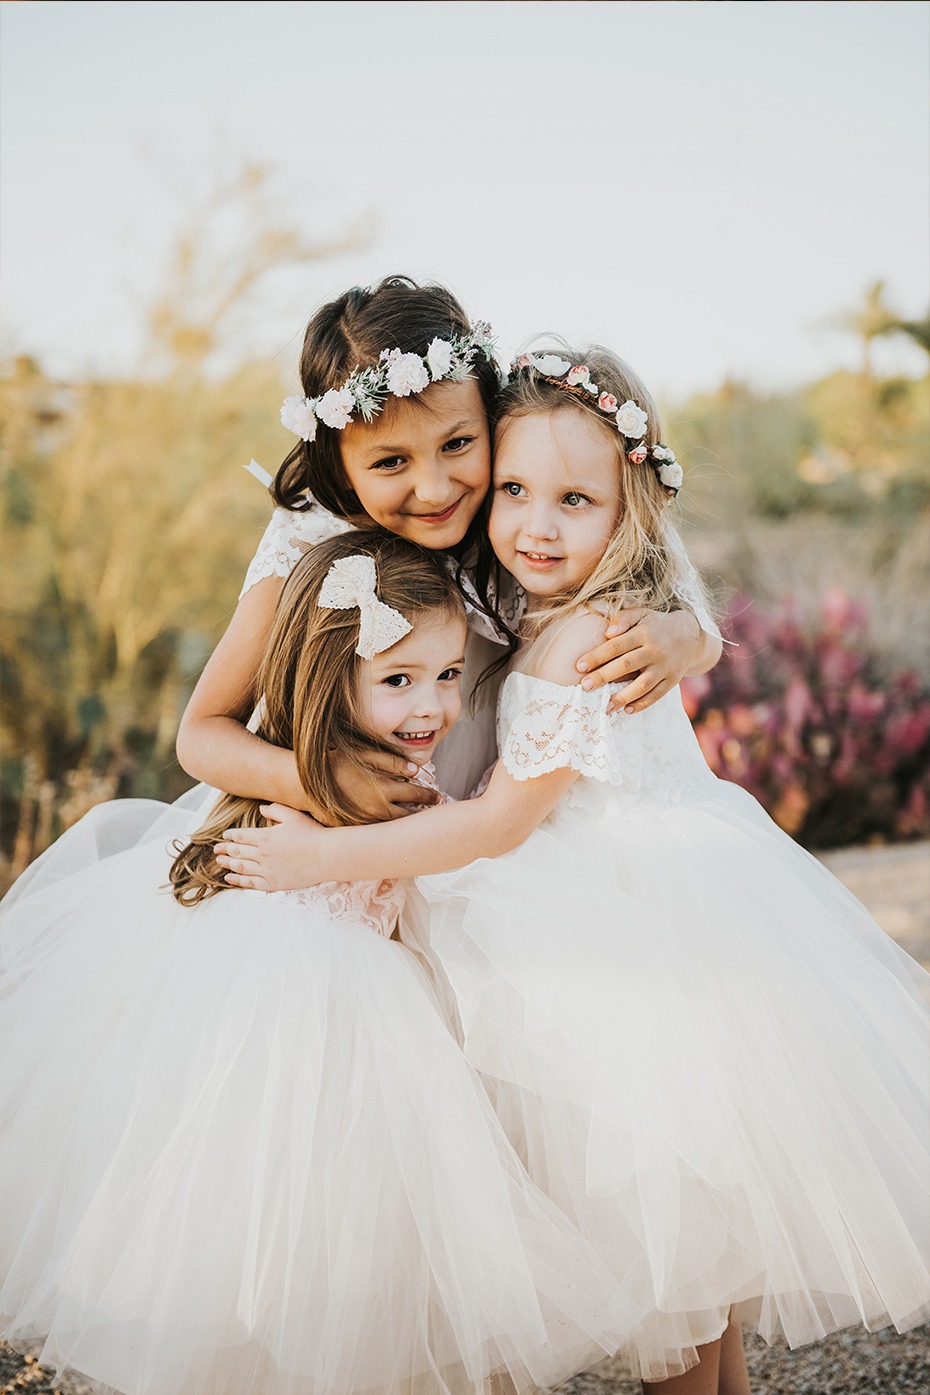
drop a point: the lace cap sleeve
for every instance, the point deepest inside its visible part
(546, 726)
(286, 539)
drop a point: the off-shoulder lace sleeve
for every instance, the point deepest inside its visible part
(546, 726)
(287, 538)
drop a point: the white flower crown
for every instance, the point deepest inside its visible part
(396, 374)
(631, 421)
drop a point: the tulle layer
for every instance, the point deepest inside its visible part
(714, 1061)
(243, 1152)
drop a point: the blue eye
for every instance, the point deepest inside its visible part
(573, 498)
(512, 489)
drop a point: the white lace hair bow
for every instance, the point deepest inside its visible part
(351, 582)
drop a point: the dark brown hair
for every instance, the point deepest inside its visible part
(308, 685)
(351, 332)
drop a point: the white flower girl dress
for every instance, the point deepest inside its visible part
(706, 1050)
(242, 1152)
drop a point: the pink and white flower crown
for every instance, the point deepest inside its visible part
(396, 374)
(631, 421)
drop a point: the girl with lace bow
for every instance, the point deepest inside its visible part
(706, 1051)
(397, 391)
(249, 1154)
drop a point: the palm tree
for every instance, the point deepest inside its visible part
(870, 321)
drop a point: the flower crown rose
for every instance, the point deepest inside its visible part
(632, 420)
(439, 358)
(671, 474)
(298, 416)
(335, 408)
(406, 374)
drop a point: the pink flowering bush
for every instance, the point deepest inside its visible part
(798, 715)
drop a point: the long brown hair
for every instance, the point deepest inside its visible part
(308, 686)
(645, 562)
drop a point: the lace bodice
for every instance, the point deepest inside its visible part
(627, 759)
(376, 905)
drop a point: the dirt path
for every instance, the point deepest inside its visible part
(894, 883)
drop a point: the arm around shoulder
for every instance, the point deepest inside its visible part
(213, 743)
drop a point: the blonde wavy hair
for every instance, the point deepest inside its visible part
(645, 562)
(308, 686)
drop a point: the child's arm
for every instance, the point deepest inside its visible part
(213, 744)
(295, 852)
(436, 840)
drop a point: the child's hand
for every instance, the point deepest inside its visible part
(289, 855)
(653, 648)
(391, 793)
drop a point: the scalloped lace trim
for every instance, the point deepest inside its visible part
(288, 536)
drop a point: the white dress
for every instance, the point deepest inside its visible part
(705, 1049)
(243, 1154)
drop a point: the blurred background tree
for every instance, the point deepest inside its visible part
(125, 534)
(127, 530)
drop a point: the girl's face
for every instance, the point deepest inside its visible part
(412, 696)
(422, 467)
(556, 499)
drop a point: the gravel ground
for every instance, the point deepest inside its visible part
(894, 883)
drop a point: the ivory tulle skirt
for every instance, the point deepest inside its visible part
(710, 1056)
(243, 1153)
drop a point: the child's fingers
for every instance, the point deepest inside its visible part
(235, 840)
(620, 624)
(237, 861)
(612, 661)
(623, 641)
(245, 883)
(642, 692)
(394, 767)
(404, 792)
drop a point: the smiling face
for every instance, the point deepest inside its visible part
(422, 467)
(556, 499)
(411, 694)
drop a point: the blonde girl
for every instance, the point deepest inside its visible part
(706, 1051)
(242, 1151)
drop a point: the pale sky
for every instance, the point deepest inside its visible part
(702, 186)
